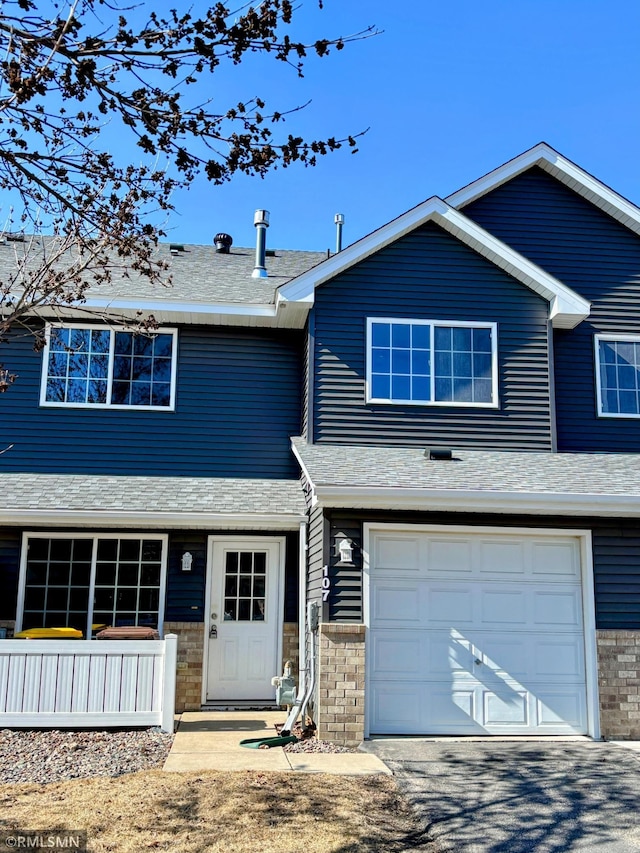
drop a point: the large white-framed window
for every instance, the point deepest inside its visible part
(94, 366)
(82, 580)
(618, 375)
(432, 362)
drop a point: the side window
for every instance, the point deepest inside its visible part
(618, 375)
(429, 362)
(89, 580)
(90, 366)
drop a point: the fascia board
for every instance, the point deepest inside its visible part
(165, 305)
(187, 312)
(153, 520)
(567, 308)
(570, 308)
(459, 500)
(564, 170)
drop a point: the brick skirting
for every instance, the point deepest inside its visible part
(190, 660)
(189, 668)
(290, 648)
(619, 684)
(340, 711)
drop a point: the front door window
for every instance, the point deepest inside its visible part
(245, 586)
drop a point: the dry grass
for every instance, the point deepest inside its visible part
(210, 811)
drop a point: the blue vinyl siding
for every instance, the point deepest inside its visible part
(597, 257)
(186, 590)
(237, 403)
(429, 275)
(616, 558)
(9, 570)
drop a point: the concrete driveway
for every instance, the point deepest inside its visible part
(515, 797)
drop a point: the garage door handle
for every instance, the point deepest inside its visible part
(477, 662)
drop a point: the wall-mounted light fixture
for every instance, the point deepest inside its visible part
(345, 551)
(187, 561)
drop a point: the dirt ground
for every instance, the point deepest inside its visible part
(210, 811)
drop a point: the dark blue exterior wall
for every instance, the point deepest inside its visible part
(9, 569)
(430, 275)
(185, 595)
(186, 590)
(595, 256)
(237, 403)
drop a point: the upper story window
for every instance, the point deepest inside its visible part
(432, 362)
(94, 366)
(618, 375)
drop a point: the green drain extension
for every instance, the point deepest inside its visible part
(267, 742)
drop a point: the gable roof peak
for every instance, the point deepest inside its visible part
(564, 170)
(566, 307)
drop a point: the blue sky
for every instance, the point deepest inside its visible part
(450, 90)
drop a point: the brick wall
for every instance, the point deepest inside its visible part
(290, 649)
(619, 683)
(340, 709)
(189, 674)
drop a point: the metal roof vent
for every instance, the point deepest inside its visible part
(223, 243)
(176, 248)
(439, 454)
(261, 221)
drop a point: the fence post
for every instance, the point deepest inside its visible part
(169, 685)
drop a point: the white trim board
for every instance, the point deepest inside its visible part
(568, 173)
(588, 597)
(566, 307)
(153, 520)
(251, 542)
(460, 500)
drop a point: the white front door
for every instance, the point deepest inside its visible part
(475, 633)
(245, 618)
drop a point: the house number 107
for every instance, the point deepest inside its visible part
(326, 583)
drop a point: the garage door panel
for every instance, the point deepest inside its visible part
(562, 709)
(559, 559)
(501, 556)
(449, 707)
(391, 553)
(562, 659)
(512, 603)
(508, 660)
(503, 606)
(397, 603)
(509, 707)
(560, 609)
(446, 555)
(393, 657)
(449, 605)
(396, 711)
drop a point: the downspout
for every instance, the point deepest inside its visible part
(306, 663)
(302, 607)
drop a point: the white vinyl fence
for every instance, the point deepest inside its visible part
(88, 683)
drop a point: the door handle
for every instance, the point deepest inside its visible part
(213, 632)
(477, 661)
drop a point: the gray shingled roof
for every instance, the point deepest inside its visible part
(107, 495)
(471, 470)
(198, 273)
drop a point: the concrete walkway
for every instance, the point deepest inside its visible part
(210, 740)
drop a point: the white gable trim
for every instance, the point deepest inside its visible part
(567, 308)
(564, 170)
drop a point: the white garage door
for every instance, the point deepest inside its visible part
(475, 633)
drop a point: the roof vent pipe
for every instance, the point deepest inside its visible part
(261, 221)
(339, 221)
